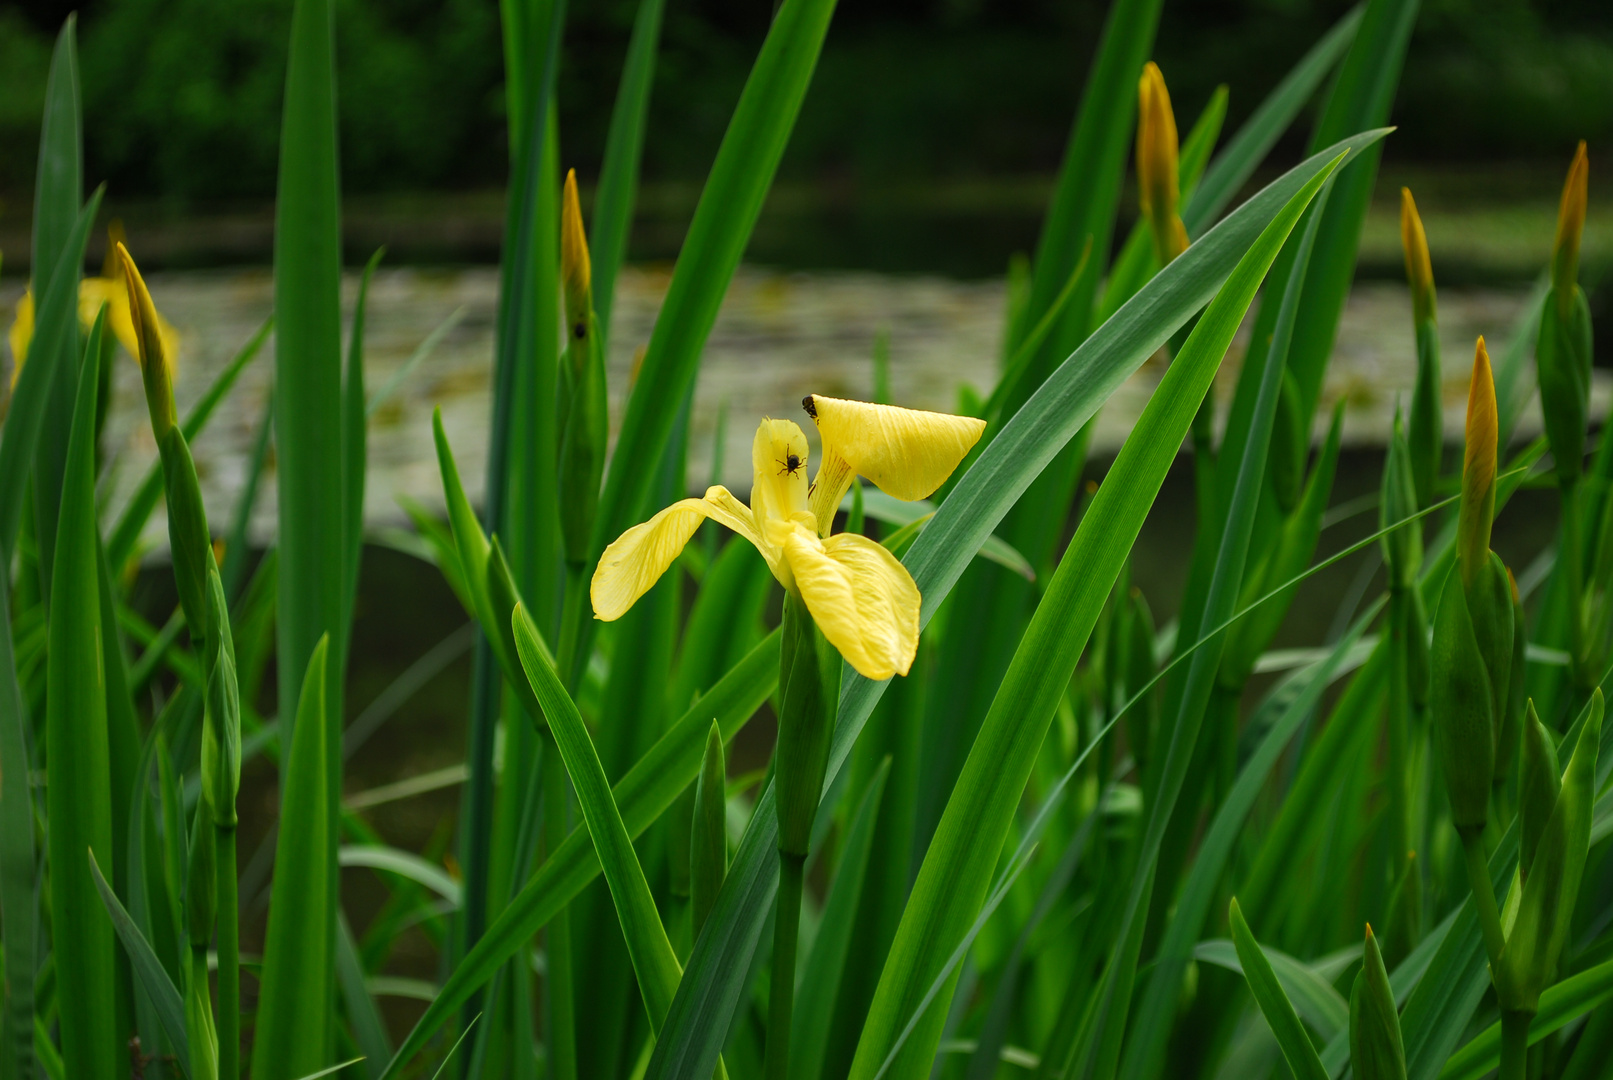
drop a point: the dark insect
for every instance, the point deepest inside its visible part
(792, 463)
(580, 331)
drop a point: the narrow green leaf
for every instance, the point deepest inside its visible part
(355, 450)
(58, 188)
(308, 386)
(723, 220)
(1312, 996)
(653, 959)
(892, 511)
(25, 415)
(19, 907)
(951, 883)
(820, 983)
(617, 193)
(642, 796)
(363, 1015)
(295, 1005)
(153, 976)
(76, 755)
(1274, 1003)
(403, 863)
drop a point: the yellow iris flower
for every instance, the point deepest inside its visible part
(92, 293)
(862, 598)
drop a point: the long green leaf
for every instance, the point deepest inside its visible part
(952, 880)
(1274, 1003)
(815, 999)
(642, 796)
(404, 864)
(653, 959)
(308, 383)
(624, 146)
(153, 976)
(25, 416)
(58, 188)
(711, 986)
(1313, 997)
(76, 755)
(723, 220)
(294, 1008)
(19, 906)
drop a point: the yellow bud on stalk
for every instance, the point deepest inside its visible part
(1158, 184)
(1478, 471)
(575, 269)
(156, 366)
(1570, 225)
(1419, 268)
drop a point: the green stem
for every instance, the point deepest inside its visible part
(1478, 878)
(1514, 1045)
(1399, 720)
(559, 984)
(572, 618)
(229, 959)
(781, 1000)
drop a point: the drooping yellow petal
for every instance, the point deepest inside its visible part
(1419, 268)
(861, 597)
(779, 467)
(905, 452)
(22, 333)
(636, 560)
(1477, 506)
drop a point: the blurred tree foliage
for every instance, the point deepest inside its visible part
(182, 97)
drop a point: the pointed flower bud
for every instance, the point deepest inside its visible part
(1570, 226)
(156, 366)
(575, 270)
(1419, 268)
(1158, 185)
(1460, 709)
(1376, 1049)
(1478, 470)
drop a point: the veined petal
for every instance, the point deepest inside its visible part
(905, 452)
(861, 597)
(779, 464)
(636, 560)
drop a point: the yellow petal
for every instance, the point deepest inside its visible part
(1478, 469)
(22, 332)
(638, 558)
(906, 452)
(779, 464)
(1419, 269)
(94, 292)
(861, 597)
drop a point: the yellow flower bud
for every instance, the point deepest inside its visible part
(1570, 224)
(1478, 469)
(1419, 268)
(1158, 186)
(575, 269)
(156, 366)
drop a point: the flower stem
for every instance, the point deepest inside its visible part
(558, 985)
(781, 1001)
(1478, 878)
(571, 622)
(1573, 561)
(229, 959)
(1514, 1045)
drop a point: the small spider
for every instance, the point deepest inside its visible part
(792, 464)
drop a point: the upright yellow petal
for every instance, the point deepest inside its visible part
(905, 452)
(1419, 268)
(1477, 507)
(636, 560)
(22, 333)
(1570, 225)
(92, 294)
(861, 597)
(779, 468)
